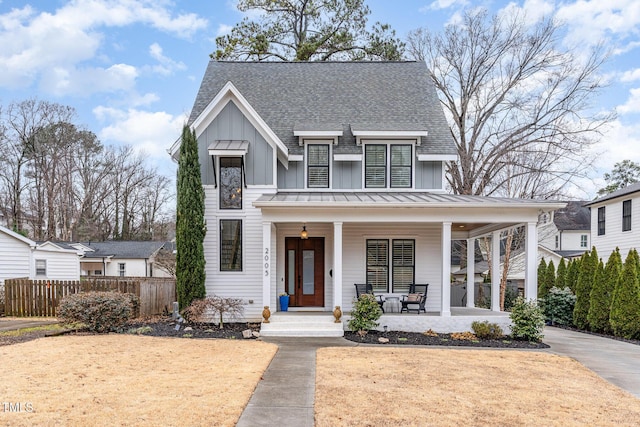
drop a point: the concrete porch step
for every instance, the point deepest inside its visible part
(301, 325)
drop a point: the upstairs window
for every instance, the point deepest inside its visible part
(380, 173)
(230, 183)
(626, 215)
(601, 213)
(583, 241)
(318, 166)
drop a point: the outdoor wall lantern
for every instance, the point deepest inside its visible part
(304, 234)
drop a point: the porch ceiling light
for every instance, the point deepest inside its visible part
(304, 234)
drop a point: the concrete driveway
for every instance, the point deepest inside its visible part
(616, 361)
(11, 324)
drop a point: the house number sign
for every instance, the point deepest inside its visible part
(266, 261)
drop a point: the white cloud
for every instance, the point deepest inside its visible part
(590, 22)
(223, 29)
(33, 44)
(631, 75)
(633, 103)
(443, 4)
(166, 66)
(531, 10)
(148, 132)
(86, 81)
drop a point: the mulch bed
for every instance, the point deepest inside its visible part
(416, 338)
(170, 328)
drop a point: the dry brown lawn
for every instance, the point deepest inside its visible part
(118, 380)
(368, 386)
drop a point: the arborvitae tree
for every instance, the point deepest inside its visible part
(586, 277)
(625, 307)
(572, 275)
(561, 274)
(549, 280)
(597, 314)
(542, 276)
(190, 227)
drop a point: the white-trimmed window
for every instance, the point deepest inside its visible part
(41, 267)
(381, 173)
(230, 245)
(583, 240)
(401, 264)
(626, 215)
(122, 269)
(318, 165)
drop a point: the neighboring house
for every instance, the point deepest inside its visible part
(567, 231)
(22, 257)
(320, 175)
(120, 258)
(615, 221)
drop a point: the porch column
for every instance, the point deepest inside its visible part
(471, 264)
(445, 310)
(495, 271)
(337, 264)
(267, 258)
(531, 262)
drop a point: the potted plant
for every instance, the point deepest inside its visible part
(284, 302)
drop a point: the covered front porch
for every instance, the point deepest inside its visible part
(390, 240)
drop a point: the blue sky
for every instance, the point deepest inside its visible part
(131, 68)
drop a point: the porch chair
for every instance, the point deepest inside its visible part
(417, 297)
(368, 289)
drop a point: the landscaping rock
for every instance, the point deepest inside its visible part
(247, 333)
(188, 328)
(383, 340)
(255, 334)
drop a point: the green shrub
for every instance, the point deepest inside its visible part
(201, 310)
(571, 279)
(527, 320)
(99, 311)
(542, 276)
(561, 274)
(487, 331)
(366, 312)
(625, 307)
(558, 305)
(586, 277)
(602, 294)
(510, 296)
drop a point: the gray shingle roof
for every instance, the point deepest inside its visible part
(122, 249)
(400, 95)
(573, 217)
(631, 188)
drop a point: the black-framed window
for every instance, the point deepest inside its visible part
(230, 245)
(375, 166)
(601, 221)
(626, 215)
(318, 166)
(41, 267)
(404, 264)
(380, 173)
(378, 264)
(230, 183)
(401, 163)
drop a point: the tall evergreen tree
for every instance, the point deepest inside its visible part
(542, 276)
(586, 277)
(601, 293)
(625, 307)
(549, 280)
(561, 274)
(572, 274)
(190, 226)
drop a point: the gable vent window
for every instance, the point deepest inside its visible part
(318, 166)
(626, 215)
(230, 183)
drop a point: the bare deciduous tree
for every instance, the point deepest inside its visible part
(518, 103)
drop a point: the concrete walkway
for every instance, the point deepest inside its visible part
(285, 395)
(616, 361)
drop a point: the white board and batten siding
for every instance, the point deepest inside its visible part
(614, 236)
(245, 284)
(15, 258)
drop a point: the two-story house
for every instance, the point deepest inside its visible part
(321, 175)
(566, 232)
(615, 221)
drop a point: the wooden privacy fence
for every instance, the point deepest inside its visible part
(25, 298)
